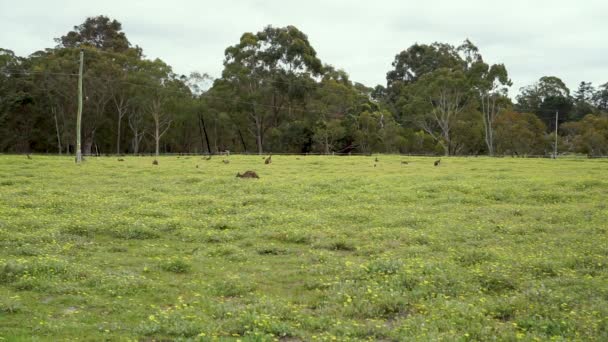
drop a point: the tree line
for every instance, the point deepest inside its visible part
(276, 95)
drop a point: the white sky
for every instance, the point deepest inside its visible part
(568, 39)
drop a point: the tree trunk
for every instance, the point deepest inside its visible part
(488, 110)
(59, 148)
(135, 145)
(258, 135)
(118, 134)
(259, 141)
(202, 125)
(161, 124)
(138, 136)
(242, 140)
(157, 138)
(88, 144)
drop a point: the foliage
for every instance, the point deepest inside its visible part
(520, 134)
(589, 136)
(99, 32)
(544, 98)
(274, 95)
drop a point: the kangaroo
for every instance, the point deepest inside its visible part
(28, 156)
(404, 163)
(208, 157)
(376, 159)
(247, 174)
(226, 161)
(437, 162)
(120, 160)
(155, 162)
(268, 160)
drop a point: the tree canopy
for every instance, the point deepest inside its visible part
(276, 95)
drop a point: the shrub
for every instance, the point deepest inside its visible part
(176, 266)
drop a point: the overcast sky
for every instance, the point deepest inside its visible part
(568, 39)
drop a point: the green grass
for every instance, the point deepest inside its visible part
(317, 248)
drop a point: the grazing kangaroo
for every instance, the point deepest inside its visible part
(226, 161)
(247, 174)
(155, 162)
(268, 160)
(437, 162)
(120, 159)
(404, 163)
(208, 157)
(377, 159)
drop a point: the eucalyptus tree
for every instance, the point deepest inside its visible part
(99, 32)
(544, 98)
(600, 98)
(136, 121)
(589, 135)
(10, 65)
(435, 101)
(268, 71)
(436, 86)
(490, 83)
(10, 74)
(414, 62)
(54, 72)
(333, 99)
(519, 133)
(583, 101)
(123, 87)
(160, 88)
(222, 124)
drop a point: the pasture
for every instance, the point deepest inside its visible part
(317, 248)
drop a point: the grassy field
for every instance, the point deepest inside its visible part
(318, 248)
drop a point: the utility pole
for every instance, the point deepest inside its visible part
(79, 115)
(555, 147)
